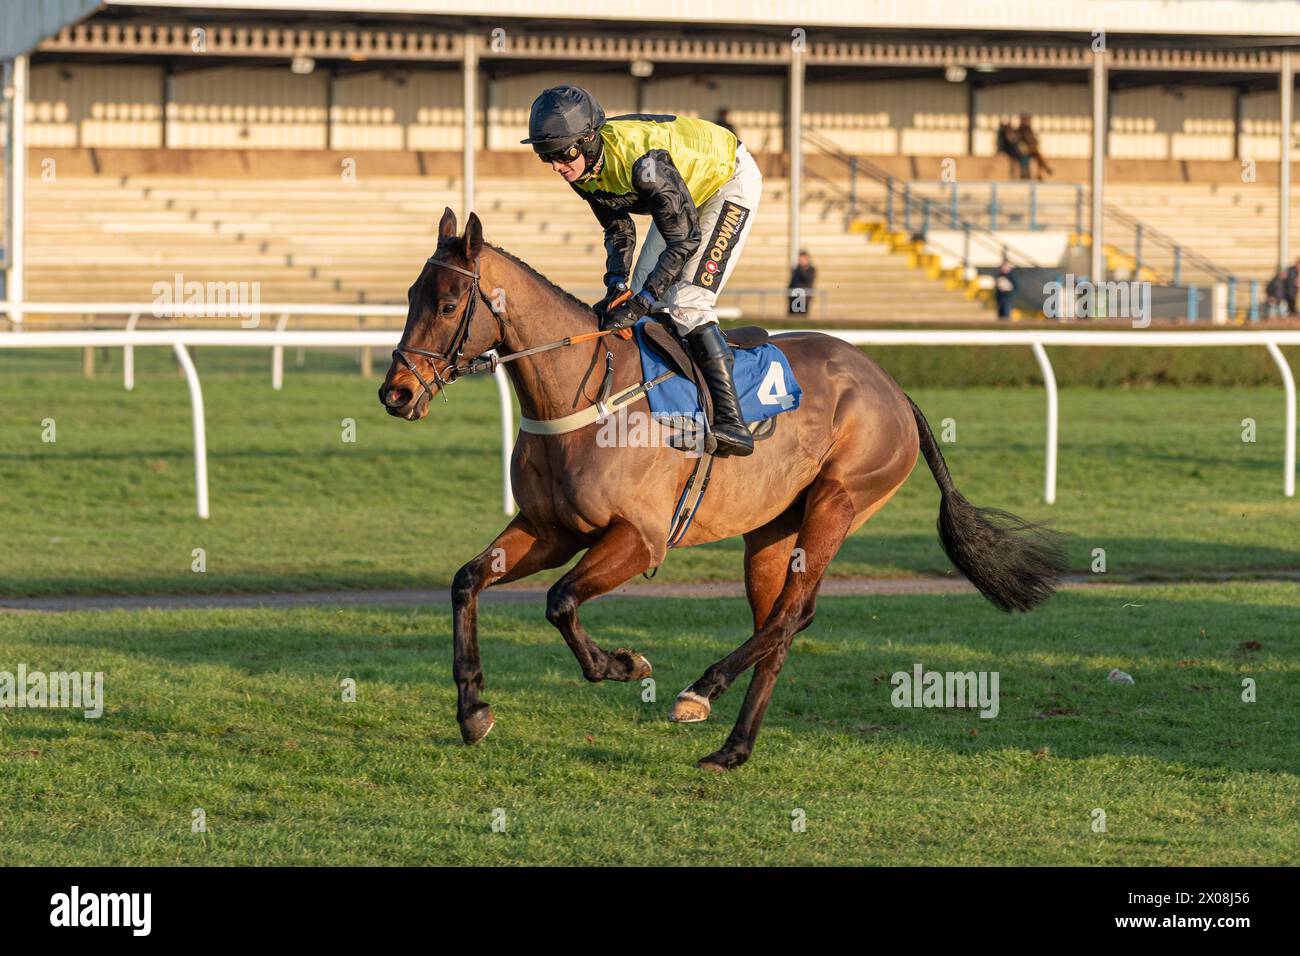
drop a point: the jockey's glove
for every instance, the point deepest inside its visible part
(616, 286)
(627, 313)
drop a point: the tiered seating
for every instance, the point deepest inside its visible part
(1235, 226)
(323, 240)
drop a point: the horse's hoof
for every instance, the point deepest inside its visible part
(722, 760)
(477, 726)
(690, 708)
(633, 664)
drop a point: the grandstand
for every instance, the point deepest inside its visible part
(218, 142)
(316, 240)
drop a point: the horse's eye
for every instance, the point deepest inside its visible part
(449, 308)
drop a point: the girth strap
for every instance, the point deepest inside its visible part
(593, 413)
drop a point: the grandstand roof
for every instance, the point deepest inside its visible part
(1156, 17)
(1200, 23)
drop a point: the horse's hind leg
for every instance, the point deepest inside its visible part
(517, 552)
(767, 561)
(767, 564)
(829, 515)
(621, 553)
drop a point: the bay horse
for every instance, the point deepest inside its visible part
(831, 464)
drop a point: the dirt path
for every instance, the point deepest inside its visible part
(840, 587)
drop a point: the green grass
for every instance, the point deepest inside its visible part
(239, 713)
(1159, 478)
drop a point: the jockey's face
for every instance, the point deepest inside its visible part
(570, 170)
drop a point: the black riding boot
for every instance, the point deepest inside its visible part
(714, 357)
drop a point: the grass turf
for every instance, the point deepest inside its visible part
(239, 713)
(1159, 478)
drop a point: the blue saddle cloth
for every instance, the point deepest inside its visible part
(765, 383)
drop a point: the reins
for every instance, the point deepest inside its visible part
(479, 364)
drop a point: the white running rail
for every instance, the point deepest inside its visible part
(179, 339)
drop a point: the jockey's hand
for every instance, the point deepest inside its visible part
(627, 313)
(617, 286)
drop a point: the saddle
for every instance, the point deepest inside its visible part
(662, 338)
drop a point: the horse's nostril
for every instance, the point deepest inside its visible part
(397, 397)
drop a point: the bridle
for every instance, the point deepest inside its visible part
(456, 349)
(489, 363)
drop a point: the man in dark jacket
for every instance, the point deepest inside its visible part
(1276, 293)
(1292, 283)
(1004, 289)
(802, 279)
(1026, 144)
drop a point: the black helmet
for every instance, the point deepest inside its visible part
(561, 116)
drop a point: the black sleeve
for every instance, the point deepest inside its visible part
(620, 237)
(669, 203)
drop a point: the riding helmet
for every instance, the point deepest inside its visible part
(562, 116)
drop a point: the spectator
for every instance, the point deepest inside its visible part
(1007, 138)
(1004, 289)
(1292, 281)
(1027, 149)
(802, 280)
(724, 120)
(1276, 293)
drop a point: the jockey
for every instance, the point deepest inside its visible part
(701, 188)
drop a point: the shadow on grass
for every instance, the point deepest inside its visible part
(881, 554)
(1187, 655)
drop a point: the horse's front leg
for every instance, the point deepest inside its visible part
(517, 552)
(621, 553)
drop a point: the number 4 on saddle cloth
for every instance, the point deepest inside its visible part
(765, 383)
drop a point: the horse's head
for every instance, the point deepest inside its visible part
(445, 328)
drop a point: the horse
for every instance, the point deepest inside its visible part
(832, 463)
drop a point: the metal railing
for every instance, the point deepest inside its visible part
(902, 209)
(179, 339)
(1035, 206)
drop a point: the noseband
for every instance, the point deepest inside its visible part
(457, 347)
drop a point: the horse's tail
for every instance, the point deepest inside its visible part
(1014, 563)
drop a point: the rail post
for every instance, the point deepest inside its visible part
(1288, 387)
(277, 355)
(507, 436)
(200, 436)
(1053, 418)
(128, 356)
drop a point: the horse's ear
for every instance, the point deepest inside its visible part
(473, 237)
(448, 225)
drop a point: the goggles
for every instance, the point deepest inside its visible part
(566, 155)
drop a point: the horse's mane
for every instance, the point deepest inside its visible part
(541, 278)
